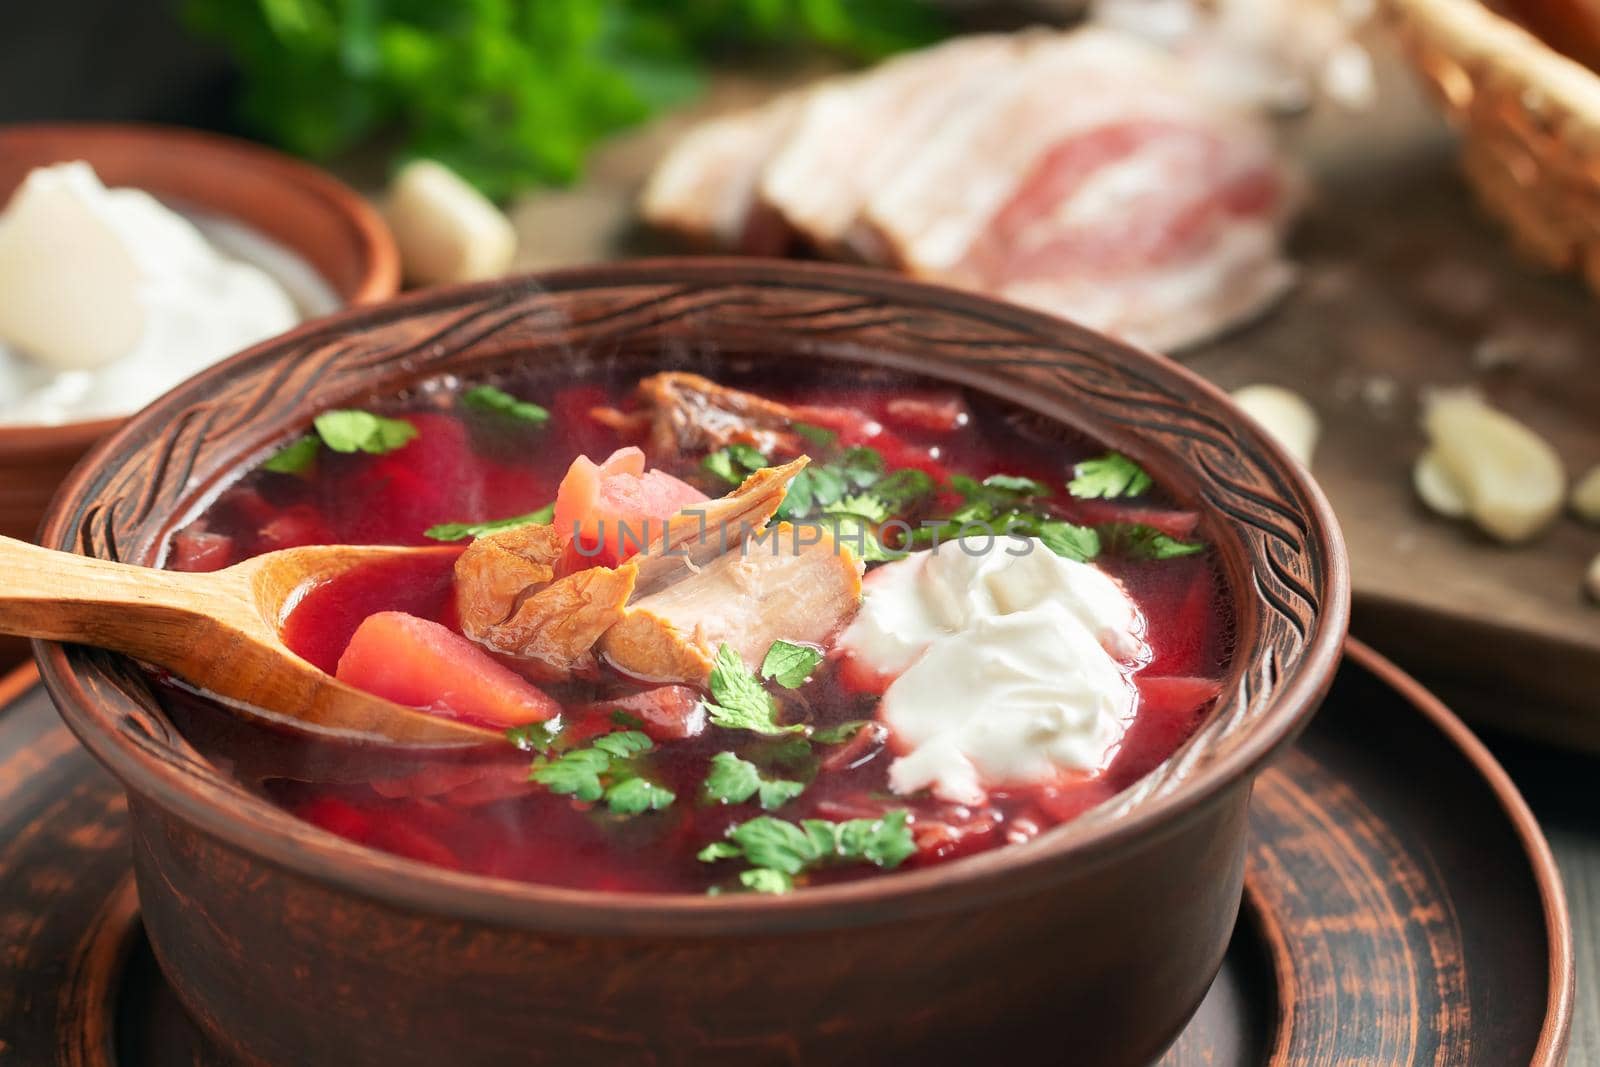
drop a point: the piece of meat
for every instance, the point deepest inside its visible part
(497, 570)
(794, 583)
(701, 533)
(691, 415)
(509, 598)
(1093, 181)
(851, 135)
(558, 625)
(616, 508)
(705, 187)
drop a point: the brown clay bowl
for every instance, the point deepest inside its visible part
(1091, 945)
(300, 207)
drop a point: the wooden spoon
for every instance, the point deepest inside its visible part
(218, 631)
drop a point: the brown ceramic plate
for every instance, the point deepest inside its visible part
(1401, 905)
(301, 208)
(277, 933)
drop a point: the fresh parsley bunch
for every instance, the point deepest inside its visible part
(509, 93)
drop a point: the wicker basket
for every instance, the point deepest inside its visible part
(1530, 120)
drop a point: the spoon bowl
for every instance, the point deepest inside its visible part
(218, 631)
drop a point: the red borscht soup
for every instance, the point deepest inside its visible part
(742, 633)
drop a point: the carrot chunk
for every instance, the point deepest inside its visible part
(424, 665)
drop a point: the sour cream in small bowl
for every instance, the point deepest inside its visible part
(132, 257)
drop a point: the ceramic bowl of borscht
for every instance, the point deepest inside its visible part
(930, 736)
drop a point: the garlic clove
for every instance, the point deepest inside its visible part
(1285, 415)
(1585, 499)
(1591, 580)
(1436, 488)
(1511, 480)
(447, 230)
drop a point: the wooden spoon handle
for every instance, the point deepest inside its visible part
(60, 596)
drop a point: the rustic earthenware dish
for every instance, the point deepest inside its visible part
(1094, 943)
(298, 206)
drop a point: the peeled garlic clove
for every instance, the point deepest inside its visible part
(1586, 496)
(1512, 481)
(1285, 415)
(447, 230)
(1436, 488)
(1591, 581)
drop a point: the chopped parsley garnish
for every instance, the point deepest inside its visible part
(460, 531)
(741, 702)
(1139, 541)
(835, 735)
(786, 849)
(342, 431)
(817, 435)
(900, 490)
(865, 505)
(733, 781)
(860, 466)
(734, 463)
(1111, 475)
(362, 431)
(605, 770)
(626, 721)
(1069, 540)
(295, 457)
(535, 736)
(489, 398)
(789, 664)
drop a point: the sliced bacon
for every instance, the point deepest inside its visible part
(705, 188)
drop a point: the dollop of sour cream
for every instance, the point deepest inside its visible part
(1010, 665)
(108, 299)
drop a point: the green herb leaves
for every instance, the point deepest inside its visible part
(488, 398)
(734, 463)
(607, 770)
(1138, 541)
(742, 703)
(295, 457)
(460, 531)
(342, 431)
(789, 664)
(1111, 475)
(733, 781)
(362, 431)
(777, 851)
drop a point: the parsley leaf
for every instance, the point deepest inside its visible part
(787, 849)
(835, 735)
(1016, 485)
(1111, 475)
(741, 701)
(361, 431)
(861, 466)
(603, 771)
(817, 435)
(861, 535)
(296, 456)
(866, 505)
(636, 796)
(762, 880)
(535, 736)
(626, 721)
(460, 531)
(734, 463)
(900, 490)
(489, 398)
(1069, 540)
(1139, 541)
(733, 781)
(789, 664)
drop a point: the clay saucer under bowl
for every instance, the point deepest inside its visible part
(301, 208)
(289, 945)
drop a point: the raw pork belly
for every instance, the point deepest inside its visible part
(705, 188)
(1081, 173)
(853, 135)
(1096, 183)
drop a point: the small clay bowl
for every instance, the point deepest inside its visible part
(325, 222)
(1091, 945)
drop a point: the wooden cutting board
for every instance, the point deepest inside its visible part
(1405, 287)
